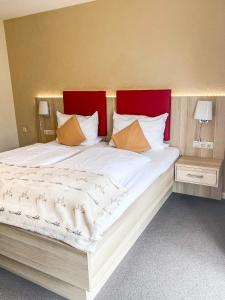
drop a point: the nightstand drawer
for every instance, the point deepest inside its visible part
(197, 176)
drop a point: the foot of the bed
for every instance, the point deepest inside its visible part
(55, 285)
(69, 272)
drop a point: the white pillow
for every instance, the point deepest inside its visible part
(88, 124)
(153, 128)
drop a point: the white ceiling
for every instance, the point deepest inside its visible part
(18, 8)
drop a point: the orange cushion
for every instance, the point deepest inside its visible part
(131, 138)
(70, 134)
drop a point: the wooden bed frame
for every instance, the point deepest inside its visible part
(72, 273)
(66, 270)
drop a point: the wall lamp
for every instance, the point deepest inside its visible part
(203, 113)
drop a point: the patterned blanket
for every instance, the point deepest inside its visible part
(64, 204)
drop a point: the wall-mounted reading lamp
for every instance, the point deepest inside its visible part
(203, 113)
(43, 110)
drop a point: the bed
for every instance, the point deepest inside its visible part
(75, 273)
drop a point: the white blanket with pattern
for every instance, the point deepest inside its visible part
(60, 203)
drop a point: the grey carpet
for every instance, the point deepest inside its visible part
(180, 256)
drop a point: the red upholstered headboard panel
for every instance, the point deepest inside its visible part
(86, 103)
(150, 103)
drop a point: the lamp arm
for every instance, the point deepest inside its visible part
(200, 132)
(41, 123)
(200, 129)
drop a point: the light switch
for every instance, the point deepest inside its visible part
(25, 130)
(49, 132)
(203, 145)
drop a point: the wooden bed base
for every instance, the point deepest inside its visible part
(72, 273)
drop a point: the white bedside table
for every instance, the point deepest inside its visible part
(201, 171)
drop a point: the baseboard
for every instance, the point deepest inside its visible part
(223, 195)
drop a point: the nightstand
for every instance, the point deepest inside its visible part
(201, 171)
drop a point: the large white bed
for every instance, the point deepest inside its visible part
(131, 172)
(147, 186)
(68, 215)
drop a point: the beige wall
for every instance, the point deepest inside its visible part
(8, 131)
(112, 44)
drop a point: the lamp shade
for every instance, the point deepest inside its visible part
(43, 108)
(203, 111)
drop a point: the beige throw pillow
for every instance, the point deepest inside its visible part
(131, 138)
(70, 134)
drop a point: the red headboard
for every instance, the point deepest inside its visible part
(150, 103)
(86, 103)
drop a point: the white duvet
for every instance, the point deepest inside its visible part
(39, 154)
(72, 200)
(121, 165)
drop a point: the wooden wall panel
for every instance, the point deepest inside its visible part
(111, 105)
(48, 122)
(219, 131)
(184, 130)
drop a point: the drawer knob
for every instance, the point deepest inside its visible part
(195, 176)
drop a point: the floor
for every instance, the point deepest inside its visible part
(180, 256)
